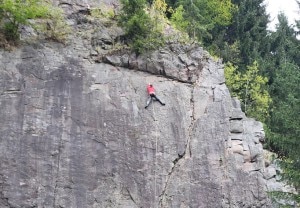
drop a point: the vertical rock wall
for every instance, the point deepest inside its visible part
(75, 133)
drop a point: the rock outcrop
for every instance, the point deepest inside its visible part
(74, 131)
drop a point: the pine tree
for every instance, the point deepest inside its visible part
(140, 30)
(204, 15)
(249, 29)
(284, 122)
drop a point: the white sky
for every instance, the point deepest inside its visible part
(288, 7)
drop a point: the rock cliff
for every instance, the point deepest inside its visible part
(74, 132)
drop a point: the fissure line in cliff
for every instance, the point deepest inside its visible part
(186, 154)
(131, 197)
(159, 73)
(162, 195)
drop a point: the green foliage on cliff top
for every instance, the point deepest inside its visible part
(15, 13)
(141, 31)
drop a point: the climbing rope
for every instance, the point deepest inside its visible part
(155, 165)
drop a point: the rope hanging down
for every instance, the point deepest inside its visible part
(155, 165)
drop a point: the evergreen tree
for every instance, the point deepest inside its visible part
(249, 30)
(171, 3)
(204, 15)
(140, 29)
(285, 42)
(178, 19)
(284, 123)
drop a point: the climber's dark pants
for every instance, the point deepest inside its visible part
(151, 98)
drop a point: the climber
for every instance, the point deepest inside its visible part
(151, 92)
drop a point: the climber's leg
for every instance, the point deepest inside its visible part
(148, 101)
(158, 100)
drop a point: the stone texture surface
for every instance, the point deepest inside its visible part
(74, 132)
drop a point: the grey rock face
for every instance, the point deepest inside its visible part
(176, 62)
(75, 133)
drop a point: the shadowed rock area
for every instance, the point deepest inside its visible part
(74, 132)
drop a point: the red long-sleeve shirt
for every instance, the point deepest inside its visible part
(150, 90)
